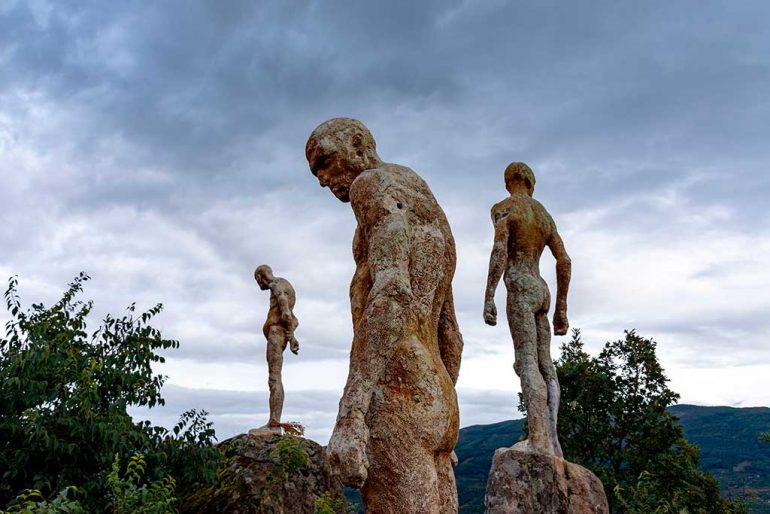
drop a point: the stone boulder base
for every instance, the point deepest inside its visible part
(532, 483)
(268, 474)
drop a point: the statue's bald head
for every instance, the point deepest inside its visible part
(518, 174)
(263, 275)
(337, 151)
(339, 134)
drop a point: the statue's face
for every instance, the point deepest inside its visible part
(261, 280)
(334, 170)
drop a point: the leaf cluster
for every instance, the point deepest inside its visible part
(131, 496)
(64, 397)
(613, 420)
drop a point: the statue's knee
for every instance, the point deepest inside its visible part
(548, 372)
(273, 382)
(518, 367)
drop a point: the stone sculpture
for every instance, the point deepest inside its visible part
(532, 477)
(279, 331)
(398, 417)
(523, 228)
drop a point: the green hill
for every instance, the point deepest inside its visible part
(727, 438)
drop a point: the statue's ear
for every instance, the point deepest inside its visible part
(358, 144)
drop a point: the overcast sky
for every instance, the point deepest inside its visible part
(159, 146)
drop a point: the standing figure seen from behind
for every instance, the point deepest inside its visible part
(523, 228)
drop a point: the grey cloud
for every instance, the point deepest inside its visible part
(159, 146)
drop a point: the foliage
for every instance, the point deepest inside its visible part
(727, 437)
(329, 504)
(613, 420)
(31, 501)
(65, 395)
(641, 498)
(130, 496)
(291, 454)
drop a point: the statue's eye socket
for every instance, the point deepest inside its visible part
(320, 163)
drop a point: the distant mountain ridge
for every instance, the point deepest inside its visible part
(727, 438)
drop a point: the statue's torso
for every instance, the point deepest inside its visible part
(529, 229)
(280, 286)
(416, 370)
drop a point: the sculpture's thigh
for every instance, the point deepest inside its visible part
(276, 343)
(413, 417)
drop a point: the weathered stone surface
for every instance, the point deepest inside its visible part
(268, 473)
(279, 331)
(398, 418)
(534, 483)
(523, 228)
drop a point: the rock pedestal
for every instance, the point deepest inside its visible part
(269, 473)
(532, 483)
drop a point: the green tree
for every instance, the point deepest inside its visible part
(64, 395)
(613, 420)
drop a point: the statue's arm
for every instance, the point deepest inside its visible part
(361, 283)
(284, 307)
(563, 275)
(382, 321)
(381, 325)
(497, 262)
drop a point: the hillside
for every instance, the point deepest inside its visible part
(727, 437)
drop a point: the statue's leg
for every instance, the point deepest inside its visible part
(548, 370)
(447, 489)
(521, 320)
(413, 424)
(401, 479)
(276, 342)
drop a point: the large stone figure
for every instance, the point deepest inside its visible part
(398, 418)
(279, 331)
(532, 477)
(523, 228)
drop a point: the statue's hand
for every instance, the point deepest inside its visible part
(560, 323)
(490, 313)
(294, 345)
(347, 453)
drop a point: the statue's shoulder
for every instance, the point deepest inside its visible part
(501, 209)
(542, 211)
(281, 286)
(388, 180)
(365, 183)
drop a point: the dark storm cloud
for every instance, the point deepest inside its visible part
(640, 95)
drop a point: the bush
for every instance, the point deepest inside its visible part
(65, 395)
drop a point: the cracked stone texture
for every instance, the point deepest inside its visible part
(257, 478)
(398, 417)
(533, 483)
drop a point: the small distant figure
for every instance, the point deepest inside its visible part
(279, 331)
(523, 228)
